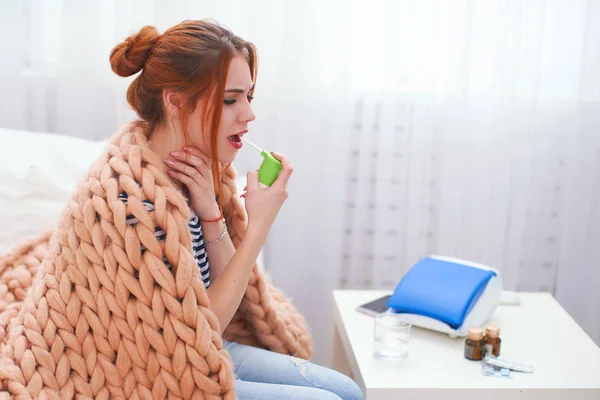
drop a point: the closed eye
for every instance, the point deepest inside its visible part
(232, 101)
(239, 91)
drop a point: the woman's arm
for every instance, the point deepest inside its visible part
(230, 268)
(220, 253)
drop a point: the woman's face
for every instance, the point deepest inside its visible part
(235, 116)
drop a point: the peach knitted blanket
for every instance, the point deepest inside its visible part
(85, 313)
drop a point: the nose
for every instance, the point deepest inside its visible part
(247, 115)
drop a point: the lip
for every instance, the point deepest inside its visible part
(238, 145)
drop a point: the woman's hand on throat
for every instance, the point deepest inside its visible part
(192, 168)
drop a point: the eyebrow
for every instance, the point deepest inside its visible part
(238, 90)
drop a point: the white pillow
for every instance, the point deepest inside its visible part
(38, 172)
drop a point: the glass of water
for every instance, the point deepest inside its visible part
(391, 336)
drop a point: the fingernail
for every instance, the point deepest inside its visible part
(169, 172)
(174, 153)
(170, 162)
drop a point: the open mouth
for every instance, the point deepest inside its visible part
(235, 138)
(235, 141)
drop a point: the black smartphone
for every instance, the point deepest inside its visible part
(375, 307)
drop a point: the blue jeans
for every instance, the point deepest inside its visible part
(266, 375)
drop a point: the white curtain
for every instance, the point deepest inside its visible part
(464, 128)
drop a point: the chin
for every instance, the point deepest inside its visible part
(227, 158)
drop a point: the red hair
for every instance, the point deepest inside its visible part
(191, 58)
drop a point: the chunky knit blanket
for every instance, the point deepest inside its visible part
(85, 313)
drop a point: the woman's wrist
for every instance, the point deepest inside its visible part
(214, 214)
(257, 230)
(253, 241)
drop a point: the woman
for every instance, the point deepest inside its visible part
(194, 92)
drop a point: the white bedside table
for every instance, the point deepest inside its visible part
(537, 332)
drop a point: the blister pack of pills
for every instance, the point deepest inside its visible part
(510, 365)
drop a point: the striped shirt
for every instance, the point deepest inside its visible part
(197, 239)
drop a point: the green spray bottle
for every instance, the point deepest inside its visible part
(269, 169)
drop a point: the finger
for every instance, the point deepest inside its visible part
(286, 170)
(198, 153)
(186, 180)
(196, 161)
(252, 179)
(185, 168)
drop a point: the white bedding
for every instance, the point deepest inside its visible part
(38, 172)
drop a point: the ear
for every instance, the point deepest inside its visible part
(172, 102)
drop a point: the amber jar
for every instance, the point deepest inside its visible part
(492, 340)
(474, 345)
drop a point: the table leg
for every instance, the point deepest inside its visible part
(340, 359)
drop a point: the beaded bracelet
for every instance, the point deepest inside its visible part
(217, 240)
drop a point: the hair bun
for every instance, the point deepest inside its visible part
(129, 56)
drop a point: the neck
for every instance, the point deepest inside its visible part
(162, 141)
